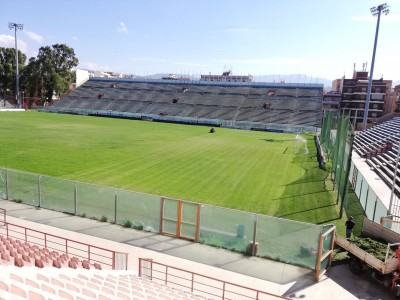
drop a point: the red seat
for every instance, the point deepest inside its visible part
(85, 264)
(39, 263)
(72, 264)
(18, 262)
(5, 256)
(26, 258)
(56, 263)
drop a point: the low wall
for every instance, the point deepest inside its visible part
(187, 120)
(278, 239)
(11, 109)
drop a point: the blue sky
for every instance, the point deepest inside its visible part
(317, 38)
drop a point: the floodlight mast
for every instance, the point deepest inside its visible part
(375, 11)
(15, 27)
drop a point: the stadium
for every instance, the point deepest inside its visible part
(166, 186)
(141, 155)
(251, 169)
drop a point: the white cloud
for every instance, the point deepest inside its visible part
(8, 42)
(391, 18)
(34, 36)
(75, 38)
(122, 27)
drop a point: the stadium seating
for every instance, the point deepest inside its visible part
(18, 253)
(379, 145)
(298, 105)
(43, 284)
(5, 104)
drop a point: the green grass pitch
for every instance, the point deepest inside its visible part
(270, 173)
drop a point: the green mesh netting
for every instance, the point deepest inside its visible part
(336, 139)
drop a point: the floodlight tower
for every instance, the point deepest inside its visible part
(15, 27)
(375, 11)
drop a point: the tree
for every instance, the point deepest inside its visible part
(51, 72)
(30, 79)
(7, 69)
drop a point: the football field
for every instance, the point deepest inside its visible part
(270, 173)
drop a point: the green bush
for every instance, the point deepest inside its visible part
(137, 226)
(127, 224)
(103, 219)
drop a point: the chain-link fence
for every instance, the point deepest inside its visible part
(270, 237)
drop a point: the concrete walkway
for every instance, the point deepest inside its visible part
(262, 274)
(264, 269)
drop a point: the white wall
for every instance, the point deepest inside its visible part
(81, 77)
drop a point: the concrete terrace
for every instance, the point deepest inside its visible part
(257, 273)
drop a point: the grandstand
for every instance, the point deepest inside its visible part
(43, 284)
(32, 269)
(258, 106)
(379, 147)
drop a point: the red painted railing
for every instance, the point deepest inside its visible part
(105, 257)
(210, 287)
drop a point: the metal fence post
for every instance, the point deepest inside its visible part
(253, 248)
(76, 199)
(161, 214)
(7, 191)
(115, 207)
(113, 260)
(151, 270)
(39, 191)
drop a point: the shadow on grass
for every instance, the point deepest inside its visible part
(277, 140)
(306, 210)
(310, 198)
(352, 207)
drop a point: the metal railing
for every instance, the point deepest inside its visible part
(391, 222)
(3, 218)
(198, 284)
(93, 254)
